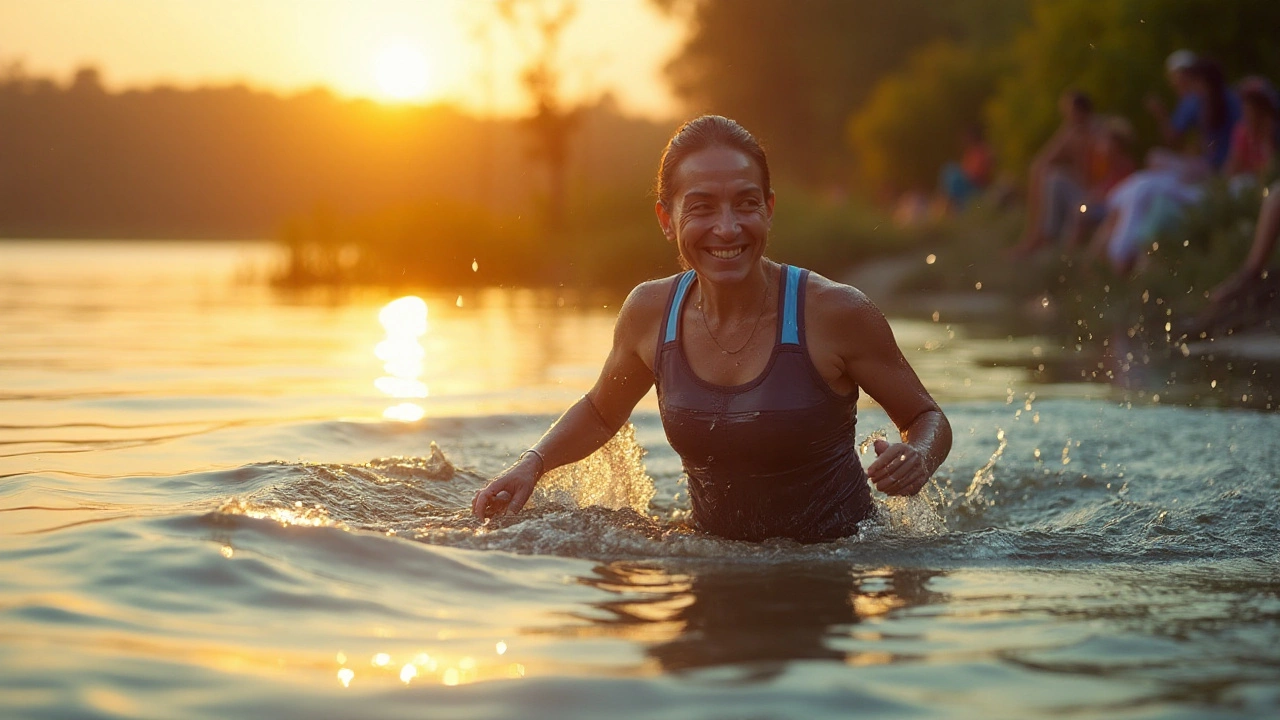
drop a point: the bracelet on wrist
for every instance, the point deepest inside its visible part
(542, 462)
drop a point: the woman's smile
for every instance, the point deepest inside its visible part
(727, 253)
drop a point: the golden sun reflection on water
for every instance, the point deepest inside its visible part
(402, 355)
(423, 667)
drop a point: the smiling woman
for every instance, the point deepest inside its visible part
(758, 367)
(402, 73)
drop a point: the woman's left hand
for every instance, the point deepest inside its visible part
(898, 469)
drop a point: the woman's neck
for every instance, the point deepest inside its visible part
(731, 302)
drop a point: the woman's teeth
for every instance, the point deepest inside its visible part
(727, 254)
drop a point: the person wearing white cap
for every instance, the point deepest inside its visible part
(1187, 112)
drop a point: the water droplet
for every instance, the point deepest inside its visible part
(475, 266)
(930, 259)
(459, 303)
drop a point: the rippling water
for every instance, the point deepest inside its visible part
(217, 500)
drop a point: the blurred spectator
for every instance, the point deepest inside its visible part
(1206, 108)
(1254, 269)
(1218, 111)
(1187, 112)
(1110, 163)
(959, 183)
(1253, 142)
(1059, 174)
(1151, 200)
(1251, 296)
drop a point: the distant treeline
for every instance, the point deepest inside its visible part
(233, 162)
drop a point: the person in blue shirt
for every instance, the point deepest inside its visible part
(1206, 107)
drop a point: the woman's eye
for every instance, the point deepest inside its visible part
(751, 204)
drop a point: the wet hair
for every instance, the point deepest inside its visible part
(1214, 108)
(700, 133)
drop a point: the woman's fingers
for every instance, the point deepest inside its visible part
(521, 497)
(490, 501)
(499, 497)
(902, 475)
(890, 460)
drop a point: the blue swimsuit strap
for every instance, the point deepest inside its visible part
(673, 314)
(790, 304)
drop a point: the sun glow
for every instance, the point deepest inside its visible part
(402, 73)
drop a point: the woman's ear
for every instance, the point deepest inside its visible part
(664, 220)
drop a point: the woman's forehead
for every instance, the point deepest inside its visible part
(717, 166)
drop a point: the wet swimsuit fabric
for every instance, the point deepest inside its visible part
(774, 457)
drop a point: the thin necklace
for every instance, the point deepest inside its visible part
(764, 300)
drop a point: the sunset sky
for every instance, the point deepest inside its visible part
(388, 50)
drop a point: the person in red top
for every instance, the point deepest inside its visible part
(959, 183)
(1110, 162)
(1253, 141)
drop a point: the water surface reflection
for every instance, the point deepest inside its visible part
(752, 620)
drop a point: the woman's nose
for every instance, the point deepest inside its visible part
(727, 223)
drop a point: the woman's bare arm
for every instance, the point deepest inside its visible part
(589, 423)
(872, 360)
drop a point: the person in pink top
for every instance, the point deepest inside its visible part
(1253, 141)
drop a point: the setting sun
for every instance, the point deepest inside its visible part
(402, 73)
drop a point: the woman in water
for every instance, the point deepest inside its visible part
(757, 365)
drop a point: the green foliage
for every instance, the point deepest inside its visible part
(830, 235)
(913, 121)
(1116, 51)
(791, 72)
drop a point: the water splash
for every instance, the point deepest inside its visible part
(985, 475)
(870, 441)
(613, 477)
(914, 515)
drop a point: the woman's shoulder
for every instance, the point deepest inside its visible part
(651, 294)
(839, 311)
(836, 300)
(646, 303)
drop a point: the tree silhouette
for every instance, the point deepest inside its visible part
(540, 25)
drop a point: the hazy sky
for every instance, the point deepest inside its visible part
(421, 49)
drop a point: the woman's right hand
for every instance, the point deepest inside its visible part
(510, 490)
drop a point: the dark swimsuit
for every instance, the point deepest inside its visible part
(774, 457)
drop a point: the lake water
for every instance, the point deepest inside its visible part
(219, 500)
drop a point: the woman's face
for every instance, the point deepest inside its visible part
(719, 216)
